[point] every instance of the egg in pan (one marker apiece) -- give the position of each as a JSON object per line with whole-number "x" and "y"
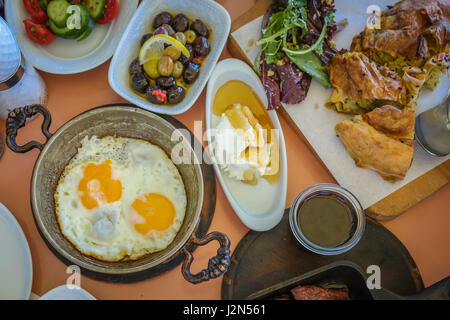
{"x": 120, "y": 199}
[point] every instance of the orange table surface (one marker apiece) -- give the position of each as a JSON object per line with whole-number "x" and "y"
{"x": 424, "y": 229}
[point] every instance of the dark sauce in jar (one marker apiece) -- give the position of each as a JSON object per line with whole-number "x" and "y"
{"x": 326, "y": 220}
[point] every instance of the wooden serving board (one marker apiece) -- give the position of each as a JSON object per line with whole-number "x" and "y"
{"x": 390, "y": 206}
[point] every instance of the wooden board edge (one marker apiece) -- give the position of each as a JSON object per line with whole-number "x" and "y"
{"x": 404, "y": 198}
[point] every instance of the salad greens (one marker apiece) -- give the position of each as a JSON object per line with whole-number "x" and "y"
{"x": 282, "y": 37}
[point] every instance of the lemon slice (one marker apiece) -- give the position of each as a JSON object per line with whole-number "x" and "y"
{"x": 153, "y": 48}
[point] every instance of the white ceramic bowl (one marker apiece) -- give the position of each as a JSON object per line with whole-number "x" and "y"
{"x": 211, "y": 13}
{"x": 65, "y": 56}
{"x": 260, "y": 207}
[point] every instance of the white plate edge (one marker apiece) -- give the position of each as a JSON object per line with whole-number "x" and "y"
{"x": 8, "y": 214}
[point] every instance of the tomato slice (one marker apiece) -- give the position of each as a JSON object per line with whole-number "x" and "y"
{"x": 38, "y": 33}
{"x": 35, "y": 10}
{"x": 112, "y": 9}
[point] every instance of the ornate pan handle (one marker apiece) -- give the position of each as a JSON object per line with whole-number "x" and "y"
{"x": 216, "y": 265}
{"x": 17, "y": 119}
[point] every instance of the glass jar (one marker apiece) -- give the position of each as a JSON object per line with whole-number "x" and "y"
{"x": 345, "y": 197}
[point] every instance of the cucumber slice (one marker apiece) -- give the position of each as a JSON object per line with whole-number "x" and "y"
{"x": 64, "y": 32}
{"x": 70, "y": 31}
{"x": 57, "y": 12}
{"x": 96, "y": 8}
{"x": 79, "y": 19}
{"x": 85, "y": 18}
{"x": 88, "y": 30}
{"x": 44, "y": 4}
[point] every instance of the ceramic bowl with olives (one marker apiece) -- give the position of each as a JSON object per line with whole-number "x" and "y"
{"x": 201, "y": 26}
{"x": 165, "y": 79}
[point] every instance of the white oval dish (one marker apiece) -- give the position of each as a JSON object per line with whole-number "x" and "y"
{"x": 65, "y": 56}
{"x": 260, "y": 207}
{"x": 210, "y": 12}
{"x": 16, "y": 269}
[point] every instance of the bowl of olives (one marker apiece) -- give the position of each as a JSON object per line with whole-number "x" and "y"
{"x": 168, "y": 52}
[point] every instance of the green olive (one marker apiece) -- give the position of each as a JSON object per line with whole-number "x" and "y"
{"x": 180, "y": 36}
{"x": 172, "y": 52}
{"x": 177, "y": 69}
{"x": 165, "y": 66}
{"x": 151, "y": 69}
{"x": 190, "y": 36}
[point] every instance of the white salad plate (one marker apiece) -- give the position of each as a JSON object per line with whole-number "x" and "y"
{"x": 16, "y": 270}
{"x": 66, "y": 56}
{"x": 260, "y": 207}
{"x": 211, "y": 13}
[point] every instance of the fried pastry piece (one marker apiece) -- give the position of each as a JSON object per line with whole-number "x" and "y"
{"x": 392, "y": 121}
{"x": 411, "y": 32}
{"x": 381, "y": 140}
{"x": 362, "y": 85}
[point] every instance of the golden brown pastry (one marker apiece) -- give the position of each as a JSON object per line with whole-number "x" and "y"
{"x": 411, "y": 33}
{"x": 392, "y": 121}
{"x": 362, "y": 85}
{"x": 381, "y": 140}
{"x": 353, "y": 74}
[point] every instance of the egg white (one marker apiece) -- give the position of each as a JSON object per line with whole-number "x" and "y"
{"x": 107, "y": 232}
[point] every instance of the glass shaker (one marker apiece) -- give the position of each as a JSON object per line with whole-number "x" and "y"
{"x": 20, "y": 84}
{"x": 433, "y": 128}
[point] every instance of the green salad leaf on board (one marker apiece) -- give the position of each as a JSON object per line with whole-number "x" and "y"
{"x": 291, "y": 23}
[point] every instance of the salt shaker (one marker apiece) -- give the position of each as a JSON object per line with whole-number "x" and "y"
{"x": 20, "y": 84}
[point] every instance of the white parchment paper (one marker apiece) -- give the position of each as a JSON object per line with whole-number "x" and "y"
{"x": 317, "y": 122}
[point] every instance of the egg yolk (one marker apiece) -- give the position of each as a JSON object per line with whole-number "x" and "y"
{"x": 157, "y": 210}
{"x": 97, "y": 185}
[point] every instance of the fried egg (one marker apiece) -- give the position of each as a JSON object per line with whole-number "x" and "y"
{"x": 120, "y": 198}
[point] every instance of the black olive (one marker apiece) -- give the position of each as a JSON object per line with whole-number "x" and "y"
{"x": 175, "y": 95}
{"x": 162, "y": 18}
{"x": 145, "y": 37}
{"x": 201, "y": 47}
{"x": 156, "y": 95}
{"x": 135, "y": 67}
{"x": 183, "y": 59}
{"x": 200, "y": 28}
{"x": 190, "y": 49}
{"x": 190, "y": 73}
{"x": 180, "y": 23}
{"x": 166, "y": 82}
{"x": 139, "y": 82}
